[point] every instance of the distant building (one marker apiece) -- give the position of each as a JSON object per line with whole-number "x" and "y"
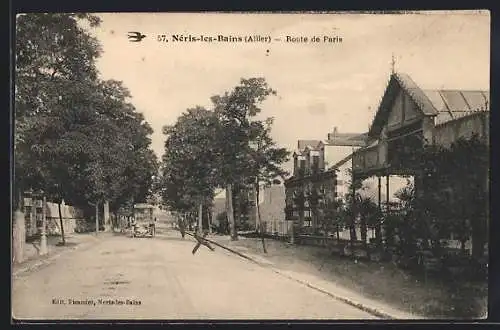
{"x": 272, "y": 209}
{"x": 339, "y": 148}
{"x": 218, "y": 208}
{"x": 310, "y": 187}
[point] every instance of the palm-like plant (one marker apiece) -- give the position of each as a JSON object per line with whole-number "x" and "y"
{"x": 369, "y": 216}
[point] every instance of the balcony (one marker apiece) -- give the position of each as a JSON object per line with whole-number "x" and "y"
{"x": 370, "y": 159}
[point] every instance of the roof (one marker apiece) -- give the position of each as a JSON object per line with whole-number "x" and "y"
{"x": 445, "y": 105}
{"x": 453, "y": 104}
{"x": 343, "y": 161}
{"x": 143, "y": 206}
{"x": 347, "y": 139}
{"x": 302, "y": 144}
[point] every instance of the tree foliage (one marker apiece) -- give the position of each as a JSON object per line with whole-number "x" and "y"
{"x": 450, "y": 195}
{"x": 221, "y": 148}
{"x": 189, "y": 167}
{"x": 76, "y": 137}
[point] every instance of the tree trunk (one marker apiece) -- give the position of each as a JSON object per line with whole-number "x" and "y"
{"x": 378, "y": 233}
{"x": 462, "y": 245}
{"x": 61, "y": 222}
{"x": 337, "y": 229}
{"x": 352, "y": 229}
{"x": 182, "y": 226}
{"x": 259, "y": 220}
{"x": 364, "y": 231}
{"x": 19, "y": 231}
{"x": 15, "y": 228}
{"x": 314, "y": 219}
{"x": 235, "y": 197}
{"x": 200, "y": 219}
{"x": 230, "y": 212}
{"x": 106, "y": 217}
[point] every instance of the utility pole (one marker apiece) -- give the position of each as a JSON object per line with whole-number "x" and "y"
{"x": 43, "y": 238}
{"x": 210, "y": 221}
{"x": 96, "y": 218}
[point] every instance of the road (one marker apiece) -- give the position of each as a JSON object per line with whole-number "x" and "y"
{"x": 158, "y": 278}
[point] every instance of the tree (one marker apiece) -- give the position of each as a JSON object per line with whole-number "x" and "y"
{"x": 190, "y": 160}
{"x": 264, "y": 163}
{"x": 78, "y": 144}
{"x": 369, "y": 213}
{"x": 234, "y": 110}
{"x": 352, "y": 201}
{"x": 52, "y": 52}
{"x": 450, "y": 193}
{"x": 334, "y": 215}
{"x": 299, "y": 200}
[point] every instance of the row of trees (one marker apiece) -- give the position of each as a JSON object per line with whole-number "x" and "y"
{"x": 77, "y": 137}
{"x": 221, "y": 148}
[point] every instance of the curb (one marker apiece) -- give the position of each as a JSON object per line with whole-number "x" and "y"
{"x": 50, "y": 258}
{"x": 367, "y": 309}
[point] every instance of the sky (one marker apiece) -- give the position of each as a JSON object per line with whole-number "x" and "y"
{"x": 320, "y": 85}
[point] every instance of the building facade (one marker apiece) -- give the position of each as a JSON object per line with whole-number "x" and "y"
{"x": 410, "y": 118}
{"x": 310, "y": 188}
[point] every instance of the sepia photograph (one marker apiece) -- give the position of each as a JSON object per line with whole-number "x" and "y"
{"x": 250, "y": 166}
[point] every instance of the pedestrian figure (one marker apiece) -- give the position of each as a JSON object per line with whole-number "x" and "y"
{"x": 133, "y": 224}
{"x": 152, "y": 227}
{"x": 182, "y": 228}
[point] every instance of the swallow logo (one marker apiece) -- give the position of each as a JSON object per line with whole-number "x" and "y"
{"x": 135, "y": 36}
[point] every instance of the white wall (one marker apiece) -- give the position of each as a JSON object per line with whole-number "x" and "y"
{"x": 370, "y": 185}
{"x": 334, "y": 154}
{"x": 343, "y": 179}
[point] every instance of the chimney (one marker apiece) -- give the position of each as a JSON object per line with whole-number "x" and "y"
{"x": 333, "y": 136}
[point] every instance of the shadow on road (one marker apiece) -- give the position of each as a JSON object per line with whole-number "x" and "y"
{"x": 173, "y": 238}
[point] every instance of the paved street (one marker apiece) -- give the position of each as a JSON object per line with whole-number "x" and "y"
{"x": 161, "y": 279}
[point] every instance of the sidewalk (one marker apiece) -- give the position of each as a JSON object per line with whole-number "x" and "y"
{"x": 382, "y": 289}
{"x": 32, "y": 259}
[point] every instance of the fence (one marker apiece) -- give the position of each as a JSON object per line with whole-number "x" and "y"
{"x": 33, "y": 213}
{"x": 279, "y": 227}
